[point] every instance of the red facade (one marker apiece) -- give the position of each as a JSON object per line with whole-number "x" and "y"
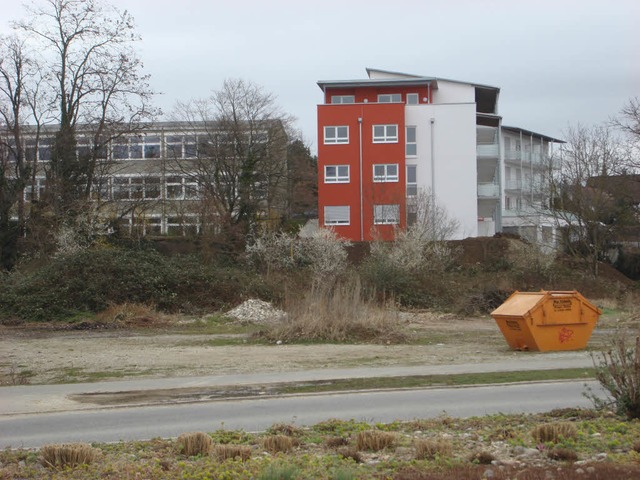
{"x": 375, "y": 191}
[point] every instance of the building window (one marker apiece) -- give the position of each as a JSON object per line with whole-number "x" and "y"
{"x": 412, "y": 144}
{"x": 385, "y": 172}
{"x": 385, "y": 134}
{"x": 413, "y": 99}
{"x": 386, "y": 214}
{"x": 343, "y": 99}
{"x": 339, "y": 215}
{"x": 412, "y": 180}
{"x": 336, "y": 174}
{"x": 390, "y": 98}
{"x": 336, "y": 134}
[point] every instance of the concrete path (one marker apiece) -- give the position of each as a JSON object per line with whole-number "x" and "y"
{"x": 26, "y": 399}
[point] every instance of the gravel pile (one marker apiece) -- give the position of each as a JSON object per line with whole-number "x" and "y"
{"x": 256, "y": 311}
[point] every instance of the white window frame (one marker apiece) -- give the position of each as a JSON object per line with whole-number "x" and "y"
{"x": 389, "y": 98}
{"x": 337, "y": 177}
{"x": 337, "y": 99}
{"x": 386, "y": 214}
{"x": 337, "y": 215}
{"x": 335, "y": 138}
{"x": 412, "y": 187}
{"x": 412, "y": 96}
{"x": 414, "y": 143}
{"x": 386, "y": 175}
{"x": 387, "y": 135}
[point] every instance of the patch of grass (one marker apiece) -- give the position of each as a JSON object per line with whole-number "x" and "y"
{"x": 228, "y": 451}
{"x": 374, "y": 440}
{"x": 68, "y": 455}
{"x": 194, "y": 443}
{"x": 278, "y": 443}
{"x": 554, "y": 432}
{"x": 429, "y": 448}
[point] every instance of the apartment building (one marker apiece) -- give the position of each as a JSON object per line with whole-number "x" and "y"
{"x": 392, "y": 140}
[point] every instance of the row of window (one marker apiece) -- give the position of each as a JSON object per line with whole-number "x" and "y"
{"x": 381, "y": 173}
{"x": 411, "y": 98}
{"x": 382, "y": 215}
{"x": 131, "y": 188}
{"x": 381, "y": 134}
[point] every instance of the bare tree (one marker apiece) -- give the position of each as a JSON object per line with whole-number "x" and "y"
{"x": 587, "y": 214}
{"x": 240, "y": 160}
{"x": 97, "y": 87}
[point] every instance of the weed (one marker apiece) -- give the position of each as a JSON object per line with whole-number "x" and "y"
{"x": 68, "y": 455}
{"x": 562, "y": 454}
{"x": 553, "y": 432}
{"x": 194, "y": 443}
{"x": 227, "y": 451}
{"x": 278, "y": 443}
{"x": 374, "y": 440}
{"x": 277, "y": 471}
{"x": 429, "y": 449}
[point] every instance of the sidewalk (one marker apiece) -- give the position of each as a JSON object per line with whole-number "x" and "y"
{"x": 54, "y": 398}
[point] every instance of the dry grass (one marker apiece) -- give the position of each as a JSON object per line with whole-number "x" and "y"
{"x": 278, "y": 443}
{"x": 350, "y": 452}
{"x": 334, "y": 442}
{"x": 194, "y": 443}
{"x": 227, "y": 451}
{"x": 428, "y": 448}
{"x": 562, "y": 455}
{"x": 374, "y": 440}
{"x": 553, "y": 432}
{"x": 482, "y": 457}
{"x": 68, "y": 455}
{"x": 341, "y": 313}
{"x": 285, "y": 429}
{"x": 131, "y": 314}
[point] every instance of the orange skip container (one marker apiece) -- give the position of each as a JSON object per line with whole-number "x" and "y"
{"x": 546, "y": 320}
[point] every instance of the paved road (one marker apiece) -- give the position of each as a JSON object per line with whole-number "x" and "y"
{"x": 51, "y": 398}
{"x": 107, "y": 425}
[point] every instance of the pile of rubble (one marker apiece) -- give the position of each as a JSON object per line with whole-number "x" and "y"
{"x": 256, "y": 311}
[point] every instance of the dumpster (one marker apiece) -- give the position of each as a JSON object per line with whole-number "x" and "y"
{"x": 546, "y": 320}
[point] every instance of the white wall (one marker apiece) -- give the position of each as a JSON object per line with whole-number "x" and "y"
{"x": 455, "y": 178}
{"x": 452, "y": 92}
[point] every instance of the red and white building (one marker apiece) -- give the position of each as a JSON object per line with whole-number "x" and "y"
{"x": 384, "y": 139}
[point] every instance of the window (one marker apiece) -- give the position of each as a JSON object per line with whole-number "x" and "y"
{"x": 412, "y": 144}
{"x": 385, "y": 133}
{"x": 336, "y": 134}
{"x": 385, "y": 172}
{"x": 343, "y": 99}
{"x": 339, "y": 215}
{"x": 413, "y": 99}
{"x": 336, "y": 174}
{"x": 386, "y": 214}
{"x": 390, "y": 98}
{"x": 412, "y": 180}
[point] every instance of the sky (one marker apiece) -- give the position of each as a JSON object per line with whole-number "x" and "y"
{"x": 557, "y": 62}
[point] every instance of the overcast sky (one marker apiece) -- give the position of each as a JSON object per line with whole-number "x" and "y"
{"x": 557, "y": 62}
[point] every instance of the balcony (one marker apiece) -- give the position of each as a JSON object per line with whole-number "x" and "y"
{"x": 490, "y": 150}
{"x": 488, "y": 190}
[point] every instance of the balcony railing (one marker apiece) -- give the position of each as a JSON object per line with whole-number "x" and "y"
{"x": 488, "y": 190}
{"x": 488, "y": 150}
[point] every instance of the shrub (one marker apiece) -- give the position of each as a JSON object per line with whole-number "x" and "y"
{"x": 194, "y": 443}
{"x": 428, "y": 448}
{"x": 618, "y": 371}
{"x": 278, "y": 443}
{"x": 68, "y": 455}
{"x": 553, "y": 432}
{"x": 228, "y": 451}
{"x": 374, "y": 440}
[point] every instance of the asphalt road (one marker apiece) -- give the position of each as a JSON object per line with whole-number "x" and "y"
{"x": 138, "y": 423}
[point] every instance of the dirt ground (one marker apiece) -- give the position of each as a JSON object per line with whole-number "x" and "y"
{"x": 38, "y": 356}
